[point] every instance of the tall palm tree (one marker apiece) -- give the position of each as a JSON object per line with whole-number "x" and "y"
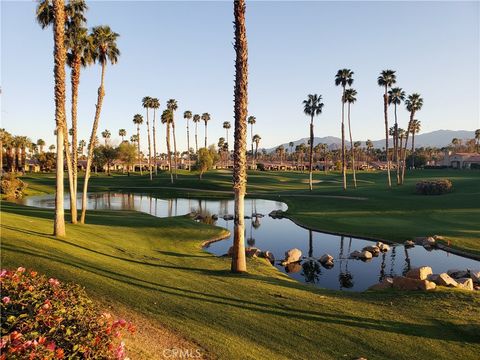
{"x": 343, "y": 78}
{"x": 167, "y": 120}
{"x": 413, "y": 104}
{"x": 41, "y": 144}
{"x": 81, "y": 146}
{"x": 477, "y": 138}
{"x": 147, "y": 103}
{"x": 290, "y": 145}
{"x": 350, "y": 99}
{"x": 138, "y": 120}
{"x": 172, "y": 106}
{"x": 106, "y": 134}
{"x": 104, "y": 47}
{"x": 155, "y": 105}
{"x": 196, "y": 120}
{"x": 312, "y": 107}
{"x": 416, "y": 127}
{"x": 324, "y": 147}
{"x": 386, "y": 79}
{"x": 256, "y": 140}
{"x": 187, "y": 115}
{"x": 206, "y": 119}
{"x": 369, "y": 144}
{"x": 227, "y": 126}
{"x": 251, "y": 120}
{"x": 122, "y": 133}
{"x": 240, "y": 144}
{"x": 401, "y": 137}
{"x": 396, "y": 96}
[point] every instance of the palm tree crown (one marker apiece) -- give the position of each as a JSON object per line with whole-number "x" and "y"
{"x": 396, "y": 96}
{"x": 344, "y": 77}
{"x": 387, "y": 78}
{"x": 196, "y": 118}
{"x": 104, "y": 42}
{"x": 172, "y": 105}
{"x": 187, "y": 115}
{"x": 137, "y": 119}
{"x": 350, "y": 96}
{"x": 414, "y": 102}
{"x": 227, "y": 125}
{"x": 205, "y": 117}
{"x": 252, "y": 120}
{"x": 313, "y": 105}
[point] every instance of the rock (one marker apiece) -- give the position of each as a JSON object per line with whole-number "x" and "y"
{"x": 227, "y": 217}
{"x": 326, "y": 258}
{"x": 214, "y": 217}
{"x": 457, "y": 274}
{"x": 443, "y": 279}
{"x": 386, "y": 283}
{"x": 276, "y": 214}
{"x": 268, "y": 255}
{"x": 406, "y": 283}
{"x": 420, "y": 273}
{"x": 293, "y": 267}
{"x": 409, "y": 243}
{"x": 465, "y": 283}
{"x": 252, "y": 252}
{"x": 291, "y": 256}
{"x": 438, "y": 237}
{"x": 366, "y": 255}
{"x": 384, "y": 248}
{"x": 475, "y": 275}
{"x": 355, "y": 254}
{"x": 328, "y": 264}
{"x": 375, "y": 250}
{"x": 363, "y": 255}
{"x": 419, "y": 240}
{"x": 429, "y": 242}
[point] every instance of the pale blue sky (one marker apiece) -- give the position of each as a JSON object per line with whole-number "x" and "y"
{"x": 183, "y": 50}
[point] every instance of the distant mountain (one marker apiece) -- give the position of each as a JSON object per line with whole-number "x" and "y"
{"x": 438, "y": 138}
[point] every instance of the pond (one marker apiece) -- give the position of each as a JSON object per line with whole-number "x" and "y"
{"x": 280, "y": 235}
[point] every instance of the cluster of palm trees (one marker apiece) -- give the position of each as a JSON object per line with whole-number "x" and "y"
{"x": 312, "y": 107}
{"x": 76, "y": 47}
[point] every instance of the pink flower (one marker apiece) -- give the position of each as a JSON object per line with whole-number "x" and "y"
{"x": 21, "y": 269}
{"x": 53, "y": 282}
{"x": 6, "y": 300}
{"x": 3, "y": 273}
{"x": 51, "y": 346}
{"x": 120, "y": 351}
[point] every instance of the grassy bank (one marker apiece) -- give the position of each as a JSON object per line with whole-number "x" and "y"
{"x": 372, "y": 210}
{"x": 156, "y": 267}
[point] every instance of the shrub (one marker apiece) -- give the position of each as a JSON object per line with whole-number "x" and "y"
{"x": 434, "y": 187}
{"x": 475, "y": 166}
{"x": 12, "y": 187}
{"x": 261, "y": 166}
{"x": 42, "y": 318}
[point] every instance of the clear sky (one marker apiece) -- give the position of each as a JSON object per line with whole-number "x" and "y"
{"x": 183, "y": 50}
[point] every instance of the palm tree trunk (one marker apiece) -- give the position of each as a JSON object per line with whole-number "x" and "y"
{"x": 169, "y": 153}
{"x": 251, "y": 138}
{"x": 174, "y": 147}
{"x": 75, "y": 81}
{"x": 352, "y": 149}
{"x": 240, "y": 144}
{"x": 196, "y": 138}
{"x": 154, "y": 142}
{"x": 60, "y": 116}
{"x": 91, "y": 145}
{"x": 188, "y": 146}
{"x": 410, "y": 123}
{"x": 395, "y": 145}
{"x": 149, "y": 148}
{"x": 385, "y": 113}
{"x": 138, "y": 146}
{"x": 413, "y": 148}
{"x": 325, "y": 163}
{"x": 344, "y": 165}
{"x": 310, "y": 181}
{"x": 205, "y": 134}
{"x": 73, "y": 198}
{"x": 1, "y": 157}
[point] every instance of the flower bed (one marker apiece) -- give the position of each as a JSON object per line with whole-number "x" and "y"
{"x": 434, "y": 187}
{"x": 43, "y": 318}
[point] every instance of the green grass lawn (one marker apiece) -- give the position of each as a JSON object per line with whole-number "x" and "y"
{"x": 157, "y": 267}
{"x": 372, "y": 210}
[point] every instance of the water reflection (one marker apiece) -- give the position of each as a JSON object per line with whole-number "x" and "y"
{"x": 280, "y": 235}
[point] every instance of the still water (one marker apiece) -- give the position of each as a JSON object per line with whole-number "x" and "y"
{"x": 280, "y": 235}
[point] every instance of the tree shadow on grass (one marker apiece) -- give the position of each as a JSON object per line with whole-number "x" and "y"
{"x": 438, "y": 330}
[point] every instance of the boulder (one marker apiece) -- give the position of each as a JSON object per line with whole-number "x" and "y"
{"x": 457, "y": 274}
{"x": 252, "y": 252}
{"x": 227, "y": 217}
{"x": 326, "y": 258}
{"x": 384, "y": 248}
{"x": 214, "y": 217}
{"x": 465, "y": 283}
{"x": 355, "y": 254}
{"x": 475, "y": 275}
{"x": 366, "y": 255}
{"x": 276, "y": 214}
{"x": 409, "y": 243}
{"x": 293, "y": 267}
{"x": 291, "y": 256}
{"x": 328, "y": 264}
{"x": 442, "y": 279}
{"x": 406, "y": 283}
{"x": 419, "y": 240}
{"x": 386, "y": 283}
{"x": 429, "y": 242}
{"x": 420, "y": 273}
{"x": 375, "y": 250}
{"x": 268, "y": 255}
{"x": 438, "y": 237}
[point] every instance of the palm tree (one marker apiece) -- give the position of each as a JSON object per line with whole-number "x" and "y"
{"x": 206, "y": 119}
{"x": 172, "y": 106}
{"x": 413, "y": 104}
{"x": 251, "y": 120}
{"x": 138, "y": 120}
{"x": 256, "y": 140}
{"x": 369, "y": 144}
{"x": 386, "y": 79}
{"x": 187, "y": 115}
{"x": 122, "y": 133}
{"x": 477, "y": 138}
{"x": 196, "y": 120}
{"x": 350, "y": 99}
{"x": 147, "y": 103}
{"x": 416, "y": 126}
{"x": 104, "y": 47}
{"x": 280, "y": 151}
{"x": 312, "y": 107}
{"x": 51, "y": 148}
{"x": 343, "y": 78}
{"x": 41, "y": 144}
{"x": 155, "y": 104}
{"x": 324, "y": 147}
{"x": 81, "y": 146}
{"x": 395, "y": 97}
{"x": 239, "y": 153}
{"x": 227, "y": 126}
{"x": 106, "y": 135}
{"x": 167, "y": 120}
{"x": 290, "y": 145}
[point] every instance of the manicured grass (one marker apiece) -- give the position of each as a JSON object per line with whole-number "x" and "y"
{"x": 395, "y": 214}
{"x": 157, "y": 267}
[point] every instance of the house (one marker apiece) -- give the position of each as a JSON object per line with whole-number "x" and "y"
{"x": 460, "y": 160}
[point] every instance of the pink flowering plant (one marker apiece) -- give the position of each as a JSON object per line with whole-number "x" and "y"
{"x": 42, "y": 318}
